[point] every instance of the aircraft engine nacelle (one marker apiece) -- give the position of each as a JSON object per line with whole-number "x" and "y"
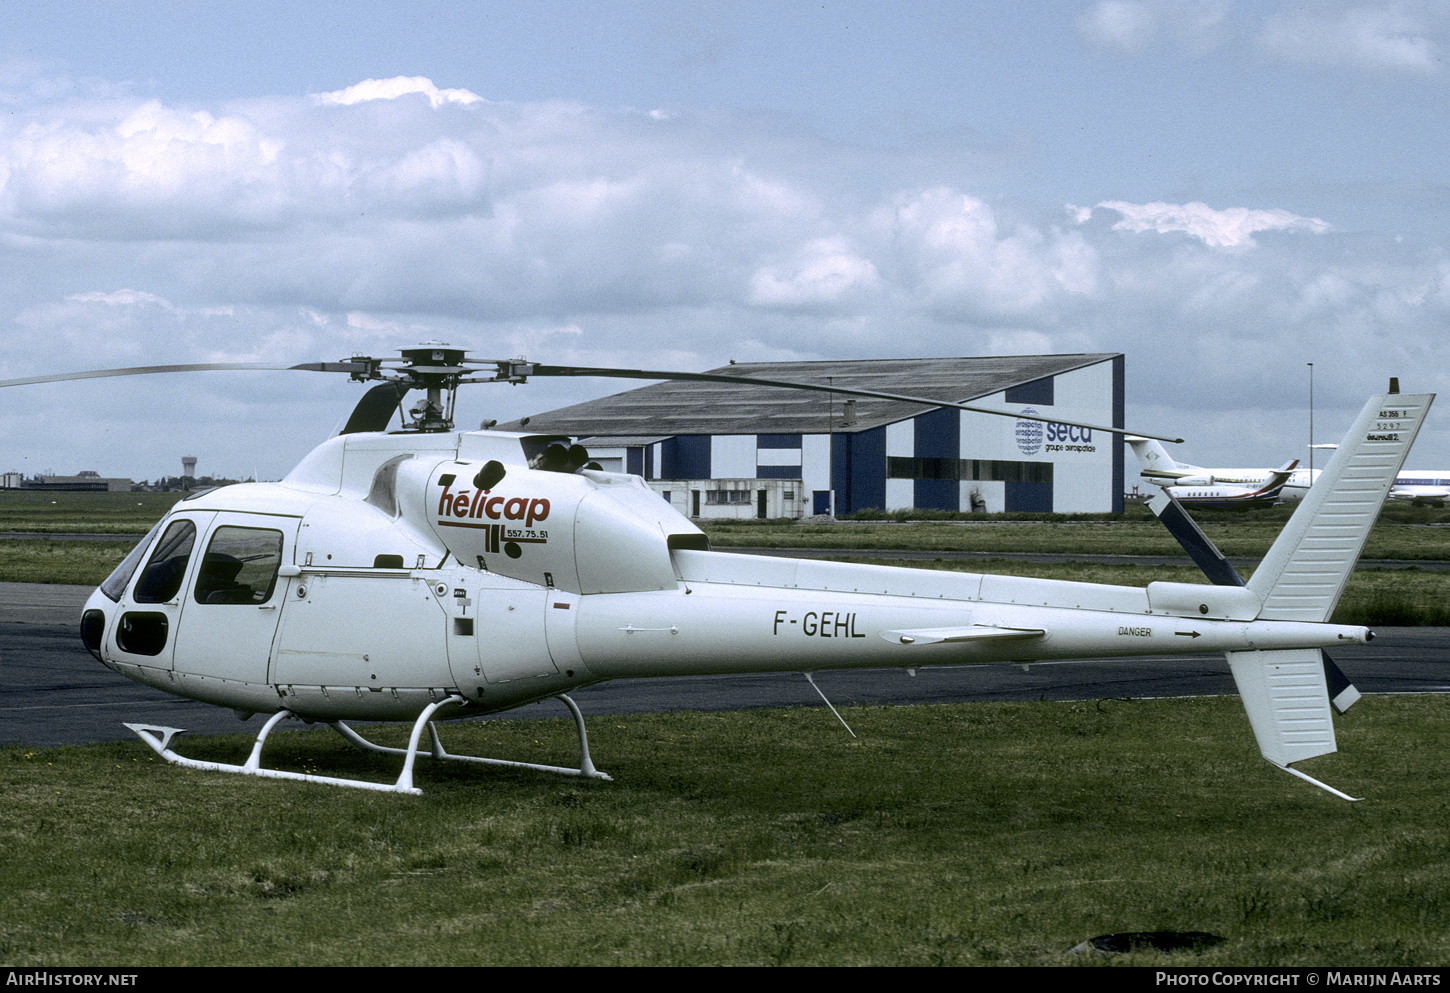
{"x": 585, "y": 532}
{"x": 1193, "y": 481}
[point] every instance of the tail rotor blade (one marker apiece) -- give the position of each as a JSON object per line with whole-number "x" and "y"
{"x": 1342, "y": 693}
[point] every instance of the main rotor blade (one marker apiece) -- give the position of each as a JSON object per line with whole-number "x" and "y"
{"x": 147, "y": 370}
{"x": 710, "y": 377}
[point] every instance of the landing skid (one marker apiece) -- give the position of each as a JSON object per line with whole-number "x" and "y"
{"x": 159, "y": 740}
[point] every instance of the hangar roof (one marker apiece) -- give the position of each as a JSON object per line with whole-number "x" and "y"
{"x": 686, "y": 408}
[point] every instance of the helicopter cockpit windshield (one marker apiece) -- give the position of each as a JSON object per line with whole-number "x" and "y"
{"x": 115, "y": 584}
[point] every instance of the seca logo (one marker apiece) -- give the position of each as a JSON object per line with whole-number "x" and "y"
{"x": 496, "y": 508}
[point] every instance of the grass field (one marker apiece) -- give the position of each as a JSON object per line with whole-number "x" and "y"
{"x": 82, "y": 513}
{"x": 79, "y": 563}
{"x": 999, "y": 834}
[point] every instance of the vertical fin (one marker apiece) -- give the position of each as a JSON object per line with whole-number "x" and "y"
{"x": 1288, "y": 704}
{"x": 1153, "y": 460}
{"x": 1220, "y": 572}
{"x": 1286, "y": 692}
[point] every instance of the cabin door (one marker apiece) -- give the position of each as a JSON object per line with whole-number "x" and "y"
{"x": 235, "y": 597}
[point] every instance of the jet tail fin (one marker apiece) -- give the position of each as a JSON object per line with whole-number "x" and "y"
{"x": 1280, "y": 476}
{"x": 1154, "y": 461}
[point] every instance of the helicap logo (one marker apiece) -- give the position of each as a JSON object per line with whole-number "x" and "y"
{"x": 478, "y": 504}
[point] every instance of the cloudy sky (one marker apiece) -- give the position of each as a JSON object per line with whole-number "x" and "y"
{"x": 1223, "y": 190}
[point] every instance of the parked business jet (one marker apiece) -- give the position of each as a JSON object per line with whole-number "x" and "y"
{"x": 1425, "y": 488}
{"x": 1195, "y": 485}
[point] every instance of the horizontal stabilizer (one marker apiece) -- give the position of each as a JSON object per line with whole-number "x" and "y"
{"x": 975, "y": 632}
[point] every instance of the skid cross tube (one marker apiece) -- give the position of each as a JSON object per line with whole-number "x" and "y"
{"x": 586, "y": 766}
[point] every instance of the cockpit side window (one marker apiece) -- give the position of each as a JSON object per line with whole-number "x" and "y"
{"x": 240, "y": 566}
{"x": 115, "y": 584}
{"x": 161, "y": 579}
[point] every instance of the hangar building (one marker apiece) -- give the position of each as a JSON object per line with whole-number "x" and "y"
{"x": 725, "y": 450}
{"x": 86, "y": 480}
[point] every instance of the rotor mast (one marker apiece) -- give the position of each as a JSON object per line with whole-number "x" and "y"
{"x": 432, "y": 367}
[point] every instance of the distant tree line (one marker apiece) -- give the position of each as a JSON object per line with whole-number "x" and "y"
{"x": 182, "y": 484}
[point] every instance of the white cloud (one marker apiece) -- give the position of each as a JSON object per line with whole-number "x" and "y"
{"x": 949, "y": 250}
{"x": 392, "y": 89}
{"x": 125, "y": 327}
{"x": 121, "y": 298}
{"x": 1399, "y": 37}
{"x": 381, "y": 333}
{"x": 1120, "y": 25}
{"x": 87, "y": 171}
{"x": 444, "y": 171}
{"x": 823, "y": 271}
{"x": 1233, "y": 227}
{"x": 1023, "y": 343}
{"x": 1395, "y": 36}
{"x": 1129, "y": 27}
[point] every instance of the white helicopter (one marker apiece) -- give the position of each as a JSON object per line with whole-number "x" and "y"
{"x": 428, "y": 573}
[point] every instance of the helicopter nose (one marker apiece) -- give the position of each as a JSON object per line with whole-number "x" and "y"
{"x": 93, "y": 631}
